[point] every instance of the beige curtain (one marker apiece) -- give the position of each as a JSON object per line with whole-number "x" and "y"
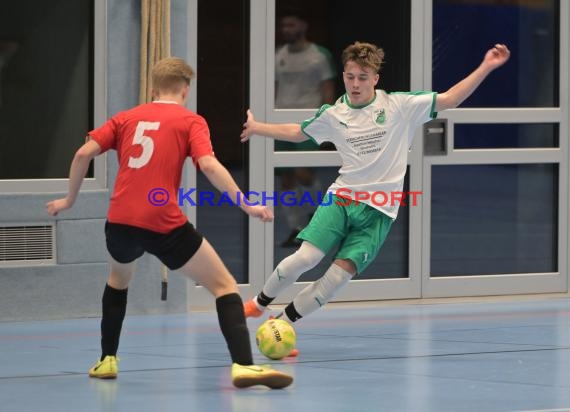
{"x": 155, "y": 41}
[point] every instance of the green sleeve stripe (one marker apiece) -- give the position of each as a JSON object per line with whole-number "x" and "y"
{"x": 307, "y": 134}
{"x": 307, "y": 122}
{"x": 418, "y": 93}
{"x": 432, "y": 112}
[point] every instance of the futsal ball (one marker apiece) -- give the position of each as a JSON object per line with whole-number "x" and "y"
{"x": 275, "y": 338}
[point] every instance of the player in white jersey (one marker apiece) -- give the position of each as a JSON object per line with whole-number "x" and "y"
{"x": 372, "y": 131}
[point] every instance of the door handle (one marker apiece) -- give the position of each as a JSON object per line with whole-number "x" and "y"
{"x": 435, "y": 137}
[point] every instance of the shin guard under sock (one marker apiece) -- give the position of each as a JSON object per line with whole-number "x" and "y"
{"x": 234, "y": 328}
{"x": 114, "y": 304}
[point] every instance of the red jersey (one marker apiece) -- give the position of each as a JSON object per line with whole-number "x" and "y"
{"x": 152, "y": 142}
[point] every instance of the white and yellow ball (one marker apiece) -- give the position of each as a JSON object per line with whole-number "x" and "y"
{"x": 275, "y": 338}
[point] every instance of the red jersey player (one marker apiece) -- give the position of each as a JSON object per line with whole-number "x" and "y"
{"x": 152, "y": 142}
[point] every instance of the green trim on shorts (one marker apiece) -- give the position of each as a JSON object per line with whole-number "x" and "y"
{"x": 359, "y": 231}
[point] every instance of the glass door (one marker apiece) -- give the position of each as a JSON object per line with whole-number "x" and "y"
{"x": 305, "y": 170}
{"x": 493, "y": 215}
{"x": 495, "y": 172}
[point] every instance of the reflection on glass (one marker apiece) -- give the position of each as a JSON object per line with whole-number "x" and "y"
{"x": 304, "y": 72}
{"x": 291, "y": 218}
{"x": 507, "y": 136}
{"x": 46, "y": 86}
{"x": 529, "y": 28}
{"x": 392, "y": 261}
{"x": 494, "y": 219}
{"x": 223, "y": 82}
{"x": 304, "y": 79}
{"x": 224, "y": 225}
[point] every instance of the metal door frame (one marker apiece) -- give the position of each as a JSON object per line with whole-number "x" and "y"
{"x": 501, "y": 284}
{"x": 262, "y": 172}
{"x": 263, "y": 161}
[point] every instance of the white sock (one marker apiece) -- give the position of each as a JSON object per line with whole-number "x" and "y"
{"x": 316, "y": 294}
{"x": 291, "y": 268}
{"x": 259, "y": 306}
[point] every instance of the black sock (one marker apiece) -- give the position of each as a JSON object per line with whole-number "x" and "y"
{"x": 234, "y": 328}
{"x": 292, "y": 313}
{"x": 114, "y": 309}
{"x": 263, "y": 299}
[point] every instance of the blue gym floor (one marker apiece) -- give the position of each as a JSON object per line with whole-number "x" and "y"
{"x": 510, "y": 355}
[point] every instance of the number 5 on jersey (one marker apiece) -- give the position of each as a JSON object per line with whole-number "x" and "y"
{"x": 146, "y": 143}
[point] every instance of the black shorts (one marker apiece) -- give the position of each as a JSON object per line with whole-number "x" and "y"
{"x": 127, "y": 243}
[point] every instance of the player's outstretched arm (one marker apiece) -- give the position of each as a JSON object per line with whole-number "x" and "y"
{"x": 222, "y": 180}
{"x": 494, "y": 58}
{"x": 290, "y": 132}
{"x": 77, "y": 172}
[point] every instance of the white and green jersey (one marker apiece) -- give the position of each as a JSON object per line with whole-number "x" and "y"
{"x": 373, "y": 141}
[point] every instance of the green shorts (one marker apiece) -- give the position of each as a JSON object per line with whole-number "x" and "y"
{"x": 359, "y": 230}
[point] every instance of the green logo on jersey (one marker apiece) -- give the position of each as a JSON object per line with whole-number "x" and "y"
{"x": 381, "y": 117}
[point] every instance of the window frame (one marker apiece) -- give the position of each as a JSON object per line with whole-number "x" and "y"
{"x": 99, "y": 179}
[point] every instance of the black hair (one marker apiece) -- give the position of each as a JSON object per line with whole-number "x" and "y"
{"x": 293, "y": 12}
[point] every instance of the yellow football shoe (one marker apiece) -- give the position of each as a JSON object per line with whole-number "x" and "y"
{"x": 105, "y": 369}
{"x": 244, "y": 376}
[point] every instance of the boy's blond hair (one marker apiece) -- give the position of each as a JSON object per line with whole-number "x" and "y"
{"x": 364, "y": 54}
{"x": 169, "y": 75}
